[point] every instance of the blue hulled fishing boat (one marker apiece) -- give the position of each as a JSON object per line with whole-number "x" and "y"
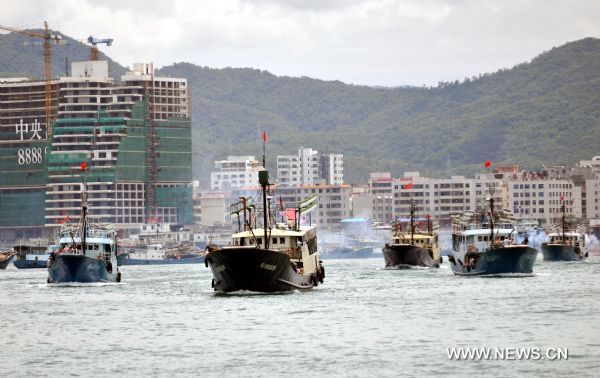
{"x": 86, "y": 253}
{"x": 483, "y": 244}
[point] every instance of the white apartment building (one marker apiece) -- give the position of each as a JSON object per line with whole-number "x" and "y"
{"x": 235, "y": 172}
{"x": 441, "y": 198}
{"x": 310, "y": 168}
{"x": 541, "y": 199}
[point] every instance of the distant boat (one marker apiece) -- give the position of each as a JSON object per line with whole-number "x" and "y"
{"x": 86, "y": 253}
{"x": 273, "y": 258}
{"x": 32, "y": 254}
{"x": 158, "y": 254}
{"x": 6, "y": 258}
{"x": 563, "y": 244}
{"x": 483, "y": 244}
{"x": 414, "y": 243}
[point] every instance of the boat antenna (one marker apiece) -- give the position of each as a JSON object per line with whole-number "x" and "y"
{"x": 264, "y": 149}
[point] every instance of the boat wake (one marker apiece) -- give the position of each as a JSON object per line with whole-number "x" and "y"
{"x": 248, "y": 293}
{"x": 407, "y": 267}
{"x": 82, "y": 284}
{"x": 508, "y": 275}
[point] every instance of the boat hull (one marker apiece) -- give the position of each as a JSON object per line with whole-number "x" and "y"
{"x": 408, "y": 255}
{"x": 560, "y": 252}
{"x": 78, "y": 268}
{"x": 255, "y": 269}
{"x": 502, "y": 260}
{"x": 6, "y": 261}
{"x": 31, "y": 264}
{"x": 187, "y": 260}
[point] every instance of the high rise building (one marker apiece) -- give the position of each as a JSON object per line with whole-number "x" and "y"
{"x": 135, "y": 138}
{"x": 310, "y": 168}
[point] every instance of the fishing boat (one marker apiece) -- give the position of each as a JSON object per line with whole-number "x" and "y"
{"x": 6, "y": 258}
{"x": 86, "y": 252}
{"x": 32, "y": 254}
{"x": 483, "y": 244}
{"x": 271, "y": 258}
{"x": 565, "y": 244}
{"x": 158, "y": 254}
{"x": 414, "y": 243}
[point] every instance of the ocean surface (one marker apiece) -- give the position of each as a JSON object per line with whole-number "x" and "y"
{"x": 363, "y": 321}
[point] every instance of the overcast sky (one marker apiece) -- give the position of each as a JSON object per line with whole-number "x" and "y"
{"x": 370, "y": 42}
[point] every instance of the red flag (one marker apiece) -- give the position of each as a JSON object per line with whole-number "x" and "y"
{"x": 408, "y": 186}
{"x": 290, "y": 213}
{"x": 83, "y": 166}
{"x": 488, "y": 163}
{"x": 265, "y": 136}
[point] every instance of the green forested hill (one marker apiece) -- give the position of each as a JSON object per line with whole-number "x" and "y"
{"x": 542, "y": 112}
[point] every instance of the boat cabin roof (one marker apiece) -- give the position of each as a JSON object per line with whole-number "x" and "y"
{"x": 568, "y": 234}
{"x": 487, "y": 231}
{"x": 309, "y": 231}
{"x": 415, "y": 236}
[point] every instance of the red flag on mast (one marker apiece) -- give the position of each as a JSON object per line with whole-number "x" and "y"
{"x": 408, "y": 186}
{"x": 488, "y": 163}
{"x": 265, "y": 136}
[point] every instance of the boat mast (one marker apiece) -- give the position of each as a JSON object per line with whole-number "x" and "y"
{"x": 263, "y": 179}
{"x": 492, "y": 220}
{"x": 84, "y": 208}
{"x": 562, "y": 208}
{"x": 412, "y": 222}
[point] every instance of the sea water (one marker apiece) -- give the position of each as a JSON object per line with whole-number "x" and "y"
{"x": 363, "y": 321}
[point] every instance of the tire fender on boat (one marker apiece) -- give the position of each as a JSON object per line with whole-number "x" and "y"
{"x": 118, "y": 276}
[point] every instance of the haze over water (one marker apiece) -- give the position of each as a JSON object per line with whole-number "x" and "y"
{"x": 363, "y": 321}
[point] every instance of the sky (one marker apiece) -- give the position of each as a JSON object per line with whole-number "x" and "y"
{"x": 363, "y": 42}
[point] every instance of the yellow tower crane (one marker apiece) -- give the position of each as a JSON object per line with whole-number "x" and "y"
{"x": 47, "y": 37}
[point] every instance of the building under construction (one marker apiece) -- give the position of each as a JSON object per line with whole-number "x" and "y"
{"x": 134, "y": 136}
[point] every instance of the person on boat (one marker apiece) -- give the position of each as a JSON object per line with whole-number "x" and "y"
{"x": 526, "y": 241}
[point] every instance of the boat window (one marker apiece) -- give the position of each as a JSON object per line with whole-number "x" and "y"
{"x": 258, "y": 240}
{"x": 274, "y": 240}
{"x": 470, "y": 239}
{"x": 486, "y": 238}
{"x": 281, "y": 240}
{"x": 480, "y": 238}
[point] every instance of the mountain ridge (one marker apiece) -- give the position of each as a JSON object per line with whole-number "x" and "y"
{"x": 539, "y": 112}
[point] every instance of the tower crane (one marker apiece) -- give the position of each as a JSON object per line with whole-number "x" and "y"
{"x": 47, "y": 37}
{"x": 94, "y": 42}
